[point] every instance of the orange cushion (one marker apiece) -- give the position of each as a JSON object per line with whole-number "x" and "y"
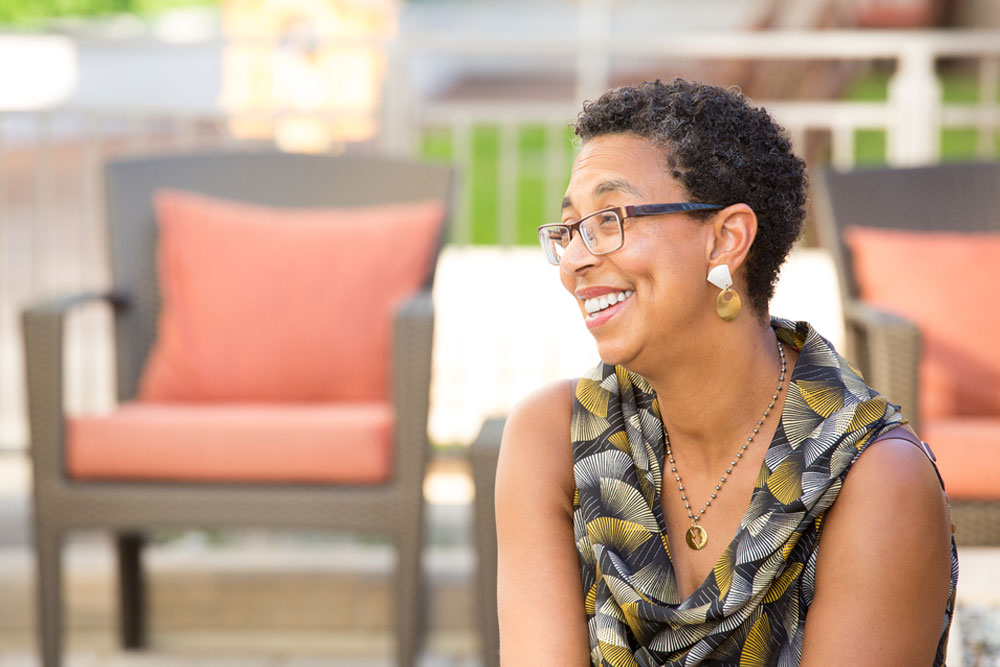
{"x": 258, "y": 442}
{"x": 268, "y": 304}
{"x": 968, "y": 455}
{"x": 947, "y": 284}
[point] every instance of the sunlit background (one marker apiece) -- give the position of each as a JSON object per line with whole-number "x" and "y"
{"x": 487, "y": 86}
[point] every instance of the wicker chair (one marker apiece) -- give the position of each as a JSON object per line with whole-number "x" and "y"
{"x": 129, "y": 508}
{"x": 886, "y": 346}
{"x": 485, "y": 454}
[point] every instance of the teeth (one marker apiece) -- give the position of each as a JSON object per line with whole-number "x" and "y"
{"x": 598, "y": 304}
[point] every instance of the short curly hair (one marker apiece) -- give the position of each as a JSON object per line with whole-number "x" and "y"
{"x": 722, "y": 150}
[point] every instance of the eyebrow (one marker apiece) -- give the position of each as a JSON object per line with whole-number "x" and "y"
{"x": 604, "y": 187}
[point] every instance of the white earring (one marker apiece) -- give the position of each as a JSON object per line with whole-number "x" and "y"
{"x": 727, "y": 305}
{"x": 720, "y": 276}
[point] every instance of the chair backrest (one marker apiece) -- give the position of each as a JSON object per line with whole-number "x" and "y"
{"x": 952, "y": 197}
{"x": 268, "y": 178}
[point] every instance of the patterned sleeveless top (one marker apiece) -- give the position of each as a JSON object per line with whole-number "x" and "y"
{"x": 751, "y": 609}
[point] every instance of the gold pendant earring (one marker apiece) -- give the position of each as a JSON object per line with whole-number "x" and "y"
{"x": 728, "y": 304}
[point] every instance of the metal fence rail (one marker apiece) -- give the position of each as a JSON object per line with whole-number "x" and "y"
{"x": 51, "y": 202}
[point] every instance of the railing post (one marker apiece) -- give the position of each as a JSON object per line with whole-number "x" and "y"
{"x": 989, "y": 78}
{"x": 398, "y": 118}
{"x": 593, "y": 58}
{"x": 914, "y": 135}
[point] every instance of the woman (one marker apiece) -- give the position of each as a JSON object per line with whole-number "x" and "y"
{"x": 667, "y": 507}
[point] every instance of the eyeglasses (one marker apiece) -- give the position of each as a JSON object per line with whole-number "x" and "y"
{"x": 602, "y": 231}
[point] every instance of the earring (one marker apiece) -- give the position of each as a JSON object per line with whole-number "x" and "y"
{"x": 728, "y": 304}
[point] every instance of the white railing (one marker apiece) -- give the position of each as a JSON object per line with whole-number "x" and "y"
{"x": 912, "y": 117}
{"x": 51, "y": 202}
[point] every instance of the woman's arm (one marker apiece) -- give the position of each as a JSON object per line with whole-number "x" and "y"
{"x": 539, "y": 591}
{"x": 884, "y": 564}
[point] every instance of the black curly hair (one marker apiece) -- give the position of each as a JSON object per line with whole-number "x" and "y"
{"x": 722, "y": 150}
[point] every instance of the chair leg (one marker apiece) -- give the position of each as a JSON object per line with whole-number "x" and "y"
{"x": 48, "y": 552}
{"x": 131, "y": 591}
{"x": 410, "y": 601}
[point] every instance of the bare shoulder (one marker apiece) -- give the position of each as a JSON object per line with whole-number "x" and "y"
{"x": 885, "y": 547}
{"x": 550, "y": 406}
{"x": 891, "y": 499}
{"x": 896, "y": 473}
{"x": 536, "y": 441}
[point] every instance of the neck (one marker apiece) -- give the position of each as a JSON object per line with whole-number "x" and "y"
{"x": 715, "y": 389}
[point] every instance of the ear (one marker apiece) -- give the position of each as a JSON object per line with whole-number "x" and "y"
{"x": 734, "y": 229}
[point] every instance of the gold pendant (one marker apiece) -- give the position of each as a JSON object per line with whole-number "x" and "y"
{"x": 697, "y": 537}
{"x": 727, "y": 304}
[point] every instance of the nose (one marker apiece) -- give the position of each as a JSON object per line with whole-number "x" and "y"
{"x": 576, "y": 257}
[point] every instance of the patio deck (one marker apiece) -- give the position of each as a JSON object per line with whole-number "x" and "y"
{"x": 212, "y": 597}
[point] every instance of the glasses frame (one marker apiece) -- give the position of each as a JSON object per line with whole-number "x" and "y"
{"x": 623, "y": 213}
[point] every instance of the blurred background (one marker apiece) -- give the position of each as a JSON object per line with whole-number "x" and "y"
{"x": 490, "y": 87}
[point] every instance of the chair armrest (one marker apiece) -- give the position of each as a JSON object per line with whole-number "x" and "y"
{"x": 484, "y": 454}
{"x": 887, "y": 349}
{"x": 413, "y": 337}
{"x": 43, "y": 325}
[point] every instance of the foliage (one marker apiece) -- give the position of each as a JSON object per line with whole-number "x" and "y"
{"x": 36, "y": 12}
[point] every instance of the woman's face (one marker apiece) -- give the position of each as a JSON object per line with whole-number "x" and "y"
{"x": 662, "y": 266}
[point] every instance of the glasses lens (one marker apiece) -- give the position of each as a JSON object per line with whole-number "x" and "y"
{"x": 602, "y": 232}
{"x": 554, "y": 241}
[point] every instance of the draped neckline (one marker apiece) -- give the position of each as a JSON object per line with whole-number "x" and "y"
{"x": 665, "y": 538}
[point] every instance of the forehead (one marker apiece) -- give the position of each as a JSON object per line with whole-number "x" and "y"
{"x": 624, "y": 163}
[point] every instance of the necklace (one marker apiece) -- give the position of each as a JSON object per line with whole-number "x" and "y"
{"x": 696, "y": 536}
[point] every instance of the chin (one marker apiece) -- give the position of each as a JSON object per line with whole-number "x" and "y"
{"x": 613, "y": 355}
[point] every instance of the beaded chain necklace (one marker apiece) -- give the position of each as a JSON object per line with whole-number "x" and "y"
{"x": 696, "y": 536}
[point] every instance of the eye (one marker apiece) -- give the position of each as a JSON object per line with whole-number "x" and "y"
{"x": 607, "y": 222}
{"x": 557, "y": 235}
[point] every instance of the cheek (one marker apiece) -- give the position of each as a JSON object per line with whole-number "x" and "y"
{"x": 644, "y": 260}
{"x": 568, "y": 283}
{"x": 663, "y": 270}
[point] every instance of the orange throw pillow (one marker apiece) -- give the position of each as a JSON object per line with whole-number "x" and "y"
{"x": 271, "y": 304}
{"x": 946, "y": 283}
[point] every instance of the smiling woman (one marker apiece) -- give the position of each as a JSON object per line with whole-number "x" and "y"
{"x": 667, "y": 508}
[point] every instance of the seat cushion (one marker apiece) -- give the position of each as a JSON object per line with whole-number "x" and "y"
{"x": 968, "y": 455}
{"x": 946, "y": 283}
{"x": 345, "y": 443}
{"x": 270, "y": 304}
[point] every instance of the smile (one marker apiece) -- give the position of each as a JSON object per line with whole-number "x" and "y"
{"x": 597, "y": 304}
